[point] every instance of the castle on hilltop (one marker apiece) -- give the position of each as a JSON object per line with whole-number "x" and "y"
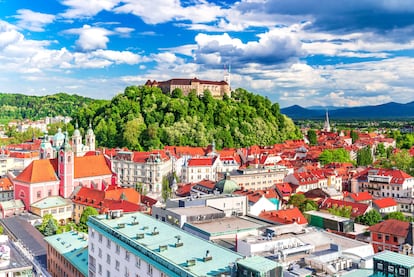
{"x": 217, "y": 88}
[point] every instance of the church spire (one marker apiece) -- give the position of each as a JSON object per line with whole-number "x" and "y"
{"x": 326, "y": 125}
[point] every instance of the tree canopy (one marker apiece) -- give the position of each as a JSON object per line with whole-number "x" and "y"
{"x": 88, "y": 211}
{"x": 144, "y": 118}
{"x": 334, "y": 155}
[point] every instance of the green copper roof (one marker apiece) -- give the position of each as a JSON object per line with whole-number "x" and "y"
{"x": 258, "y": 264}
{"x": 157, "y": 240}
{"x": 74, "y": 247}
{"x": 395, "y": 258}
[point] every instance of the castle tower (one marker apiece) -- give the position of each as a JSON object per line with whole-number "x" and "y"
{"x": 227, "y": 75}
{"x": 90, "y": 139}
{"x": 77, "y": 142}
{"x": 66, "y": 168}
{"x": 326, "y": 125}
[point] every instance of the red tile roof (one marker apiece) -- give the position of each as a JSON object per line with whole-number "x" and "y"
{"x": 255, "y": 195}
{"x": 385, "y": 202}
{"x": 392, "y": 227}
{"x": 360, "y": 196}
{"x": 184, "y": 189}
{"x": 6, "y": 184}
{"x": 89, "y": 166}
{"x": 284, "y": 216}
{"x": 357, "y": 208}
{"x": 38, "y": 171}
{"x": 202, "y": 161}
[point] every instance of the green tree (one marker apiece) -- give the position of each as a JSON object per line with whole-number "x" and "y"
{"x": 344, "y": 211}
{"x": 364, "y": 156}
{"x": 354, "y": 135}
{"x": 396, "y": 215}
{"x": 301, "y": 202}
{"x": 370, "y": 218}
{"x": 50, "y": 228}
{"x": 88, "y": 211}
{"x": 45, "y": 221}
{"x": 166, "y": 189}
{"x": 380, "y": 151}
{"x": 334, "y": 155}
{"x": 312, "y": 137}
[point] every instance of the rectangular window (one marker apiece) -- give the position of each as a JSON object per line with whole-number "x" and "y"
{"x": 99, "y": 252}
{"x": 108, "y": 243}
{"x": 395, "y": 239}
{"x": 138, "y": 262}
{"x": 379, "y": 236}
{"x": 108, "y": 259}
{"x": 401, "y": 271}
{"x": 127, "y": 255}
{"x": 100, "y": 238}
{"x": 99, "y": 269}
{"x": 387, "y": 237}
{"x": 117, "y": 265}
{"x": 117, "y": 249}
{"x": 92, "y": 247}
{"x": 149, "y": 270}
{"x": 108, "y": 273}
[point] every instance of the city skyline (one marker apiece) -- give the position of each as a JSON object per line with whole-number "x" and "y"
{"x": 324, "y": 53}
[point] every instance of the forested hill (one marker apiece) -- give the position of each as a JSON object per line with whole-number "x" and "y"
{"x": 20, "y": 106}
{"x": 144, "y": 118}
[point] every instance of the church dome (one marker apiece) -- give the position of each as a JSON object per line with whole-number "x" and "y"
{"x": 226, "y": 185}
{"x": 90, "y": 131}
{"x": 76, "y": 133}
{"x": 59, "y": 136}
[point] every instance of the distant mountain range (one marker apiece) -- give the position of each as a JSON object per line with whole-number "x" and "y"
{"x": 390, "y": 110}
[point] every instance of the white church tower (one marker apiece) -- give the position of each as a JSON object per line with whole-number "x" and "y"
{"x": 326, "y": 125}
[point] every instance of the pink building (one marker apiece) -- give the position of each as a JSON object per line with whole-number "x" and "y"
{"x": 60, "y": 176}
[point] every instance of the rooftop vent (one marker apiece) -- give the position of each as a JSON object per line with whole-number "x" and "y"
{"x": 178, "y": 243}
{"x": 163, "y": 247}
{"x": 155, "y": 231}
{"x": 140, "y": 236}
{"x": 134, "y": 220}
{"x": 191, "y": 262}
{"x": 121, "y": 225}
{"x": 208, "y": 257}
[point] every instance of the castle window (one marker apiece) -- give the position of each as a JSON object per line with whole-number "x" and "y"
{"x": 38, "y": 194}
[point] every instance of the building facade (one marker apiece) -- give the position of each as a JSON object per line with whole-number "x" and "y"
{"x": 216, "y": 88}
{"x": 146, "y": 168}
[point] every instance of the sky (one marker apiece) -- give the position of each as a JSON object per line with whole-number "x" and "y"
{"x": 294, "y": 52}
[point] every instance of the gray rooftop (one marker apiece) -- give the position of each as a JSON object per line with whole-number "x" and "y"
{"x": 227, "y": 225}
{"x": 193, "y": 211}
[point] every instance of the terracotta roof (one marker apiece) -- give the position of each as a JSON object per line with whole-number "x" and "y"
{"x": 391, "y": 226}
{"x": 202, "y": 161}
{"x": 284, "y": 216}
{"x": 184, "y": 189}
{"x": 357, "y": 208}
{"x": 89, "y": 166}
{"x": 38, "y": 171}
{"x": 385, "y": 202}
{"x": 146, "y": 200}
{"x": 360, "y": 196}
{"x": 254, "y": 195}
{"x": 6, "y": 184}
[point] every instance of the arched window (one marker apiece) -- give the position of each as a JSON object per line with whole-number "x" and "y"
{"x": 22, "y": 194}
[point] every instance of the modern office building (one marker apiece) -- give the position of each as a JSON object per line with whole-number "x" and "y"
{"x": 135, "y": 244}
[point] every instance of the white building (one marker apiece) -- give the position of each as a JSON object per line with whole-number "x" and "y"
{"x": 146, "y": 168}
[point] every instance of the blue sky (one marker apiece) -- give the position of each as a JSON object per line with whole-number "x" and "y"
{"x": 310, "y": 53}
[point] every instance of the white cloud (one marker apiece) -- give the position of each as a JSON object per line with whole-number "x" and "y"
{"x": 91, "y": 38}
{"x": 171, "y": 10}
{"x": 89, "y": 8}
{"x": 33, "y": 21}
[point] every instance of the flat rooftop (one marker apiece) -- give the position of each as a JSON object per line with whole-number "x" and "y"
{"x": 74, "y": 247}
{"x": 227, "y": 225}
{"x": 143, "y": 235}
{"x": 194, "y": 211}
